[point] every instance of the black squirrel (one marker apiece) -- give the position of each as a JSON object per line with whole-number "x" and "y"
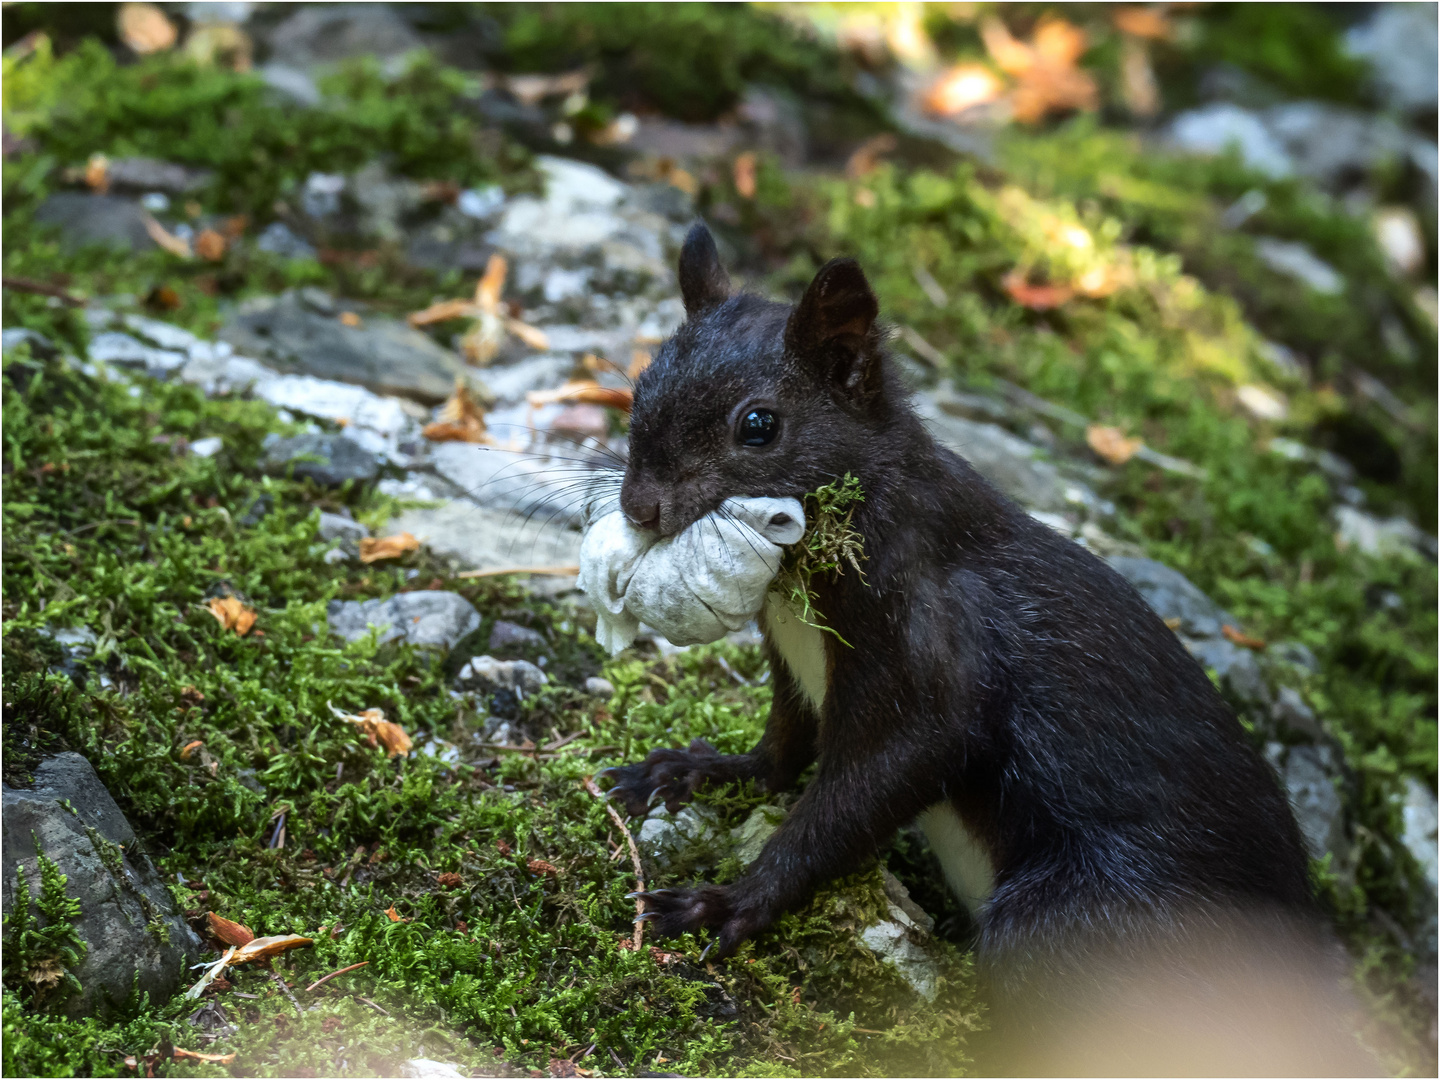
{"x": 1085, "y": 787}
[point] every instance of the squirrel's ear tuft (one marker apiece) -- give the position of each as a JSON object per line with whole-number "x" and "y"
{"x": 703, "y": 281}
{"x": 831, "y": 328}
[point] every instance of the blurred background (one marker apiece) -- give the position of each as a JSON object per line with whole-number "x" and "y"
{"x": 1165, "y": 272}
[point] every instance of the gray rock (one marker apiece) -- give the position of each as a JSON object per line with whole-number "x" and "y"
{"x": 750, "y": 836}
{"x": 1316, "y": 803}
{"x": 384, "y": 200}
{"x": 103, "y": 220}
{"x": 1419, "y": 815}
{"x": 292, "y": 83}
{"x": 1212, "y": 129}
{"x": 526, "y": 482}
{"x": 488, "y": 675}
{"x": 664, "y": 836}
{"x": 329, "y": 460}
{"x": 481, "y": 538}
{"x": 891, "y": 940}
{"x": 217, "y": 371}
{"x": 128, "y": 918}
{"x": 140, "y": 174}
{"x": 204, "y": 448}
{"x": 509, "y": 635}
{"x": 41, "y": 347}
{"x": 377, "y": 423}
{"x": 1290, "y": 711}
{"x": 126, "y": 351}
{"x": 899, "y": 896}
{"x": 1382, "y": 537}
{"x": 279, "y": 239}
{"x": 383, "y": 354}
{"x": 1172, "y": 596}
{"x": 1295, "y": 260}
{"x": 162, "y": 334}
{"x": 512, "y": 382}
{"x": 602, "y": 688}
{"x": 1239, "y": 671}
{"x": 426, "y": 1069}
{"x": 328, "y": 33}
{"x": 1399, "y": 42}
{"x": 426, "y": 617}
{"x": 339, "y": 527}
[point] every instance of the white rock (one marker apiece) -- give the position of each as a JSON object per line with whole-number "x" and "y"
{"x": 1214, "y": 128}
{"x": 1419, "y": 816}
{"x": 428, "y": 617}
{"x": 204, "y": 448}
{"x": 481, "y": 203}
{"x": 165, "y": 335}
{"x": 890, "y": 940}
{"x": 1378, "y": 536}
{"x": 1298, "y": 261}
{"x": 425, "y": 1069}
{"x": 384, "y": 418}
{"x": 482, "y": 538}
{"x": 603, "y": 688}
{"x": 1399, "y": 41}
{"x": 512, "y": 382}
{"x": 1398, "y": 233}
{"x": 116, "y": 348}
{"x": 223, "y": 374}
{"x": 1262, "y": 402}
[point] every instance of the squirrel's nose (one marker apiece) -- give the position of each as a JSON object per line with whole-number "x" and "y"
{"x": 644, "y": 517}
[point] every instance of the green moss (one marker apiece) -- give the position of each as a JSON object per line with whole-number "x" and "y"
{"x": 41, "y": 945}
{"x": 830, "y": 543}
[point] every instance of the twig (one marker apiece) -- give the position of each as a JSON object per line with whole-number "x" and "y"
{"x": 558, "y": 743}
{"x": 286, "y": 990}
{"x": 929, "y": 353}
{"x": 327, "y": 978}
{"x": 372, "y": 1004}
{"x": 20, "y": 284}
{"x": 594, "y": 789}
{"x": 101, "y": 524}
{"x": 555, "y": 571}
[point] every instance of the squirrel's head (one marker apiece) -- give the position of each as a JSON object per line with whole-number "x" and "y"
{"x": 755, "y": 398}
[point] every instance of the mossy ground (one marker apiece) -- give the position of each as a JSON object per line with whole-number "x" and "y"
{"x": 108, "y": 526}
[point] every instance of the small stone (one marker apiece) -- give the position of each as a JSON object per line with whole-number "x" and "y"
{"x": 1419, "y": 817}
{"x": 488, "y": 675}
{"x": 150, "y": 174}
{"x": 354, "y": 406}
{"x": 279, "y": 239}
{"x": 329, "y": 460}
{"x": 41, "y": 347}
{"x": 162, "y": 334}
{"x": 1172, "y": 596}
{"x": 1291, "y": 711}
{"x": 205, "y": 448}
{"x": 430, "y": 617}
{"x": 751, "y": 835}
{"x": 890, "y": 940}
{"x": 899, "y": 897}
{"x": 1295, "y": 653}
{"x": 101, "y": 220}
{"x": 339, "y": 527}
{"x": 1295, "y": 260}
{"x": 601, "y": 688}
{"x": 129, "y": 352}
{"x": 1316, "y": 803}
{"x": 1379, "y": 536}
{"x": 1239, "y": 671}
{"x": 1213, "y": 129}
{"x": 425, "y": 1069}
{"x": 509, "y": 635}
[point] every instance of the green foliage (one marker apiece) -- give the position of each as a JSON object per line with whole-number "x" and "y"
{"x": 829, "y": 543}
{"x": 42, "y": 946}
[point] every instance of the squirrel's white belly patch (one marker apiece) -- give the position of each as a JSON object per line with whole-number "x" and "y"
{"x": 967, "y": 866}
{"x": 802, "y": 647}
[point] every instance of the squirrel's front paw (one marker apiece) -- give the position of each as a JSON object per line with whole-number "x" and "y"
{"x": 673, "y": 775}
{"x": 680, "y": 911}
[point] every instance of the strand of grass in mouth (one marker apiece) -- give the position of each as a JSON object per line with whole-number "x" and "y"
{"x": 831, "y": 541}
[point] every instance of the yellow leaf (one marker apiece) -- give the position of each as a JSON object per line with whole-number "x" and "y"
{"x": 1047, "y": 78}
{"x": 1112, "y": 444}
{"x": 461, "y": 420}
{"x": 530, "y": 335}
{"x": 97, "y": 174}
{"x": 443, "y": 311}
{"x": 349, "y": 318}
{"x": 584, "y": 391}
{"x": 373, "y": 549}
{"x": 231, "y": 614}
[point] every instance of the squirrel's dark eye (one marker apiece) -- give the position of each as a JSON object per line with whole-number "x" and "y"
{"x": 757, "y": 427}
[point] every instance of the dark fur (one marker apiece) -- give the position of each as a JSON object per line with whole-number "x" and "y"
{"x": 994, "y": 664}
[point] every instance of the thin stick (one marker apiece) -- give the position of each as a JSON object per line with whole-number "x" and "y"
{"x": 327, "y": 978}
{"x": 20, "y": 284}
{"x": 554, "y": 571}
{"x": 286, "y": 990}
{"x": 594, "y": 789}
{"x": 372, "y": 1004}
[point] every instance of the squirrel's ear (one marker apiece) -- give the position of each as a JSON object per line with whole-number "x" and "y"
{"x": 703, "y": 281}
{"x": 832, "y": 327}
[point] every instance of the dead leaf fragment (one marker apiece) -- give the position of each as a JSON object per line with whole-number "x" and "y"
{"x": 962, "y": 87}
{"x": 744, "y": 174}
{"x": 379, "y": 732}
{"x": 1047, "y": 78}
{"x": 484, "y": 338}
{"x": 584, "y": 391}
{"x": 1239, "y": 637}
{"x": 188, "y": 750}
{"x": 394, "y": 915}
{"x": 349, "y": 318}
{"x": 175, "y": 245}
{"x": 375, "y": 548}
{"x": 1036, "y": 297}
{"x": 1141, "y": 22}
{"x": 1112, "y": 444}
{"x": 46, "y": 973}
{"x": 231, "y": 614}
{"x": 265, "y": 947}
{"x": 210, "y": 245}
{"x": 540, "y": 866}
{"x": 97, "y": 174}
{"x": 461, "y": 420}
{"x": 449, "y": 881}
{"x": 227, "y": 932}
{"x": 145, "y": 28}
{"x": 215, "y": 1059}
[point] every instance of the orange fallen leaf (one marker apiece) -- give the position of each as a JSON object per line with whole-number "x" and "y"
{"x": 640, "y": 359}
{"x": 375, "y": 548}
{"x": 962, "y": 87}
{"x": 232, "y": 614}
{"x": 97, "y": 174}
{"x": 491, "y": 283}
{"x": 1047, "y": 78}
{"x": 1035, "y": 297}
{"x": 584, "y": 391}
{"x": 865, "y": 158}
{"x": 483, "y": 340}
{"x": 217, "y": 1059}
{"x": 145, "y": 28}
{"x": 461, "y": 420}
{"x": 1173, "y": 624}
{"x": 1239, "y": 637}
{"x": 188, "y": 750}
{"x": 540, "y": 866}
{"x": 530, "y": 335}
{"x": 227, "y": 932}
{"x": 210, "y": 245}
{"x": 262, "y": 948}
{"x": 1112, "y": 444}
{"x": 449, "y": 881}
{"x": 1141, "y": 22}
{"x": 234, "y": 227}
{"x": 441, "y": 311}
{"x": 349, "y": 318}
{"x": 395, "y": 916}
{"x": 378, "y": 730}
{"x": 744, "y": 174}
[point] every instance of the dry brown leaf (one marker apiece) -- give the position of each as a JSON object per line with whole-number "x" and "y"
{"x": 46, "y": 973}
{"x": 1047, "y": 79}
{"x": 461, "y": 420}
{"x": 210, "y": 245}
{"x": 395, "y": 916}
{"x": 744, "y": 174}
{"x": 263, "y": 948}
{"x": 491, "y": 284}
{"x": 97, "y": 174}
{"x": 1141, "y": 22}
{"x": 349, "y": 318}
{"x": 962, "y": 87}
{"x": 167, "y": 240}
{"x": 1239, "y": 637}
{"x": 145, "y": 28}
{"x": 1112, "y": 444}
{"x": 449, "y": 881}
{"x": 379, "y": 732}
{"x": 194, "y": 1055}
{"x": 1036, "y": 297}
{"x": 530, "y": 335}
{"x": 375, "y": 548}
{"x": 442, "y": 311}
{"x": 866, "y": 157}
{"x": 540, "y": 866}
{"x": 584, "y": 391}
{"x": 227, "y": 932}
{"x": 532, "y": 89}
{"x": 231, "y": 614}
{"x": 188, "y": 751}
